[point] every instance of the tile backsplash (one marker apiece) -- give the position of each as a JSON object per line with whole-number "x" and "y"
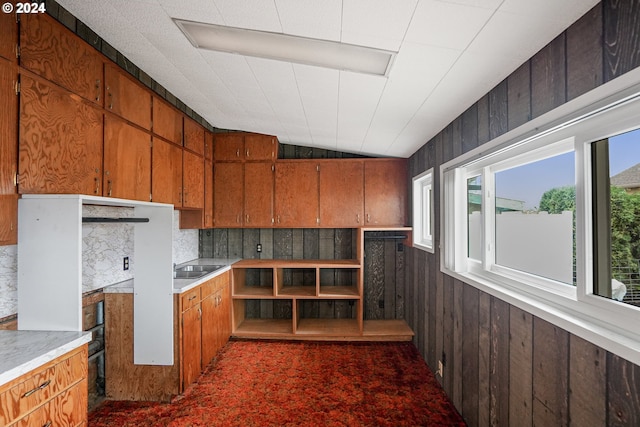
{"x": 103, "y": 248}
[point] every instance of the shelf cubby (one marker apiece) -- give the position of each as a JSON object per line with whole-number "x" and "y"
{"x": 298, "y": 282}
{"x": 339, "y": 282}
{"x": 262, "y": 317}
{"x": 253, "y": 282}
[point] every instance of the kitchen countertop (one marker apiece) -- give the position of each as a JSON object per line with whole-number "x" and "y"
{"x": 179, "y": 285}
{"x": 24, "y": 351}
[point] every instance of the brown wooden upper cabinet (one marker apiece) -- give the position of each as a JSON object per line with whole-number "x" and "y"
{"x": 258, "y": 194}
{"x": 342, "y": 193}
{"x": 193, "y": 136}
{"x": 8, "y": 130}
{"x": 243, "y": 194}
{"x": 244, "y": 146}
{"x": 192, "y": 180}
{"x": 60, "y": 146}
{"x": 228, "y": 190}
{"x": 127, "y": 161}
{"x": 385, "y": 192}
{"x": 126, "y": 97}
{"x": 208, "y": 146}
{"x": 8, "y": 219}
{"x": 52, "y": 51}
{"x": 166, "y": 172}
{"x": 167, "y": 121}
{"x": 208, "y": 194}
{"x": 8, "y": 36}
{"x": 296, "y": 193}
{"x": 8, "y": 155}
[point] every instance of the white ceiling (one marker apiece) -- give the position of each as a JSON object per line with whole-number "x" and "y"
{"x": 450, "y": 53}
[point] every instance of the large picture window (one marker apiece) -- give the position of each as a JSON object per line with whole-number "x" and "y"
{"x": 549, "y": 220}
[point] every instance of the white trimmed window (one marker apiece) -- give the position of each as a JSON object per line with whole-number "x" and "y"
{"x": 533, "y": 217}
{"x": 423, "y": 211}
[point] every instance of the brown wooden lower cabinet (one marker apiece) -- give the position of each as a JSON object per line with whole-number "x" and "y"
{"x": 202, "y": 326}
{"x": 55, "y": 393}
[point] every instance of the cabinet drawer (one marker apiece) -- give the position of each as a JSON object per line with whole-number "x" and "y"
{"x": 190, "y": 299}
{"x": 41, "y": 385}
{"x": 68, "y": 409}
{"x": 214, "y": 285}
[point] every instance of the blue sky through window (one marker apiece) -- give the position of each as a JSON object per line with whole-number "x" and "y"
{"x": 529, "y": 182}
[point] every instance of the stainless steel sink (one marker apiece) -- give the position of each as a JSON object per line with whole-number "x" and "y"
{"x": 194, "y": 271}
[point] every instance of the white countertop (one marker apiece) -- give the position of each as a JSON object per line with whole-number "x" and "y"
{"x": 179, "y": 285}
{"x": 24, "y": 351}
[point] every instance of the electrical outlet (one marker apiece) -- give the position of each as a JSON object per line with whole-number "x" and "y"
{"x": 440, "y": 368}
{"x": 259, "y": 247}
{"x": 125, "y": 263}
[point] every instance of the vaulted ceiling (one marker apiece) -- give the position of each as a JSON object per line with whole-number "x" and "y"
{"x": 449, "y": 54}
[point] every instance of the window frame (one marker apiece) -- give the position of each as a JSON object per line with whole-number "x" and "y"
{"x": 423, "y": 210}
{"x": 606, "y": 111}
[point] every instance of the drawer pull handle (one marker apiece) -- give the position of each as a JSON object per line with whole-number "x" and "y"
{"x": 191, "y": 298}
{"x": 40, "y": 387}
{"x": 48, "y": 424}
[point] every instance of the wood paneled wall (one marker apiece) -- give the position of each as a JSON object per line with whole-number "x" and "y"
{"x": 384, "y": 265}
{"x": 504, "y": 366}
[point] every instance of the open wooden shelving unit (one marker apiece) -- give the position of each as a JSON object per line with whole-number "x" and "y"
{"x": 292, "y": 282}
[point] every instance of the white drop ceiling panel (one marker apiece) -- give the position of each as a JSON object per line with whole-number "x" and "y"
{"x": 449, "y": 53}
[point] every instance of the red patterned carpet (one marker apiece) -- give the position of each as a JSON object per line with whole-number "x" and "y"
{"x": 263, "y": 383}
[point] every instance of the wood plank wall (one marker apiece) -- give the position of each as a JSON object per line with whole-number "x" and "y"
{"x": 504, "y": 366}
{"x": 383, "y": 272}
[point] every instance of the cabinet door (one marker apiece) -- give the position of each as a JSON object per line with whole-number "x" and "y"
{"x": 8, "y": 130}
{"x": 166, "y": 173}
{"x": 167, "y": 121}
{"x": 192, "y": 180}
{"x": 228, "y": 194}
{"x": 60, "y": 147}
{"x": 224, "y": 314}
{"x": 191, "y": 345}
{"x": 385, "y": 192}
{"x": 296, "y": 194}
{"x": 342, "y": 193}
{"x": 228, "y": 146}
{"x": 260, "y": 147}
{"x": 127, "y": 161}
{"x": 193, "y": 136}
{"x": 208, "y": 146}
{"x": 126, "y": 98}
{"x": 210, "y": 328}
{"x": 8, "y": 219}
{"x": 208, "y": 194}
{"x": 8, "y": 36}
{"x": 52, "y": 51}
{"x": 258, "y": 194}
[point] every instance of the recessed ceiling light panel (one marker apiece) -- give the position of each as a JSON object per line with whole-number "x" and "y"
{"x": 283, "y": 47}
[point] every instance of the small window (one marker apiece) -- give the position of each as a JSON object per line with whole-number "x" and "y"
{"x": 423, "y": 211}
